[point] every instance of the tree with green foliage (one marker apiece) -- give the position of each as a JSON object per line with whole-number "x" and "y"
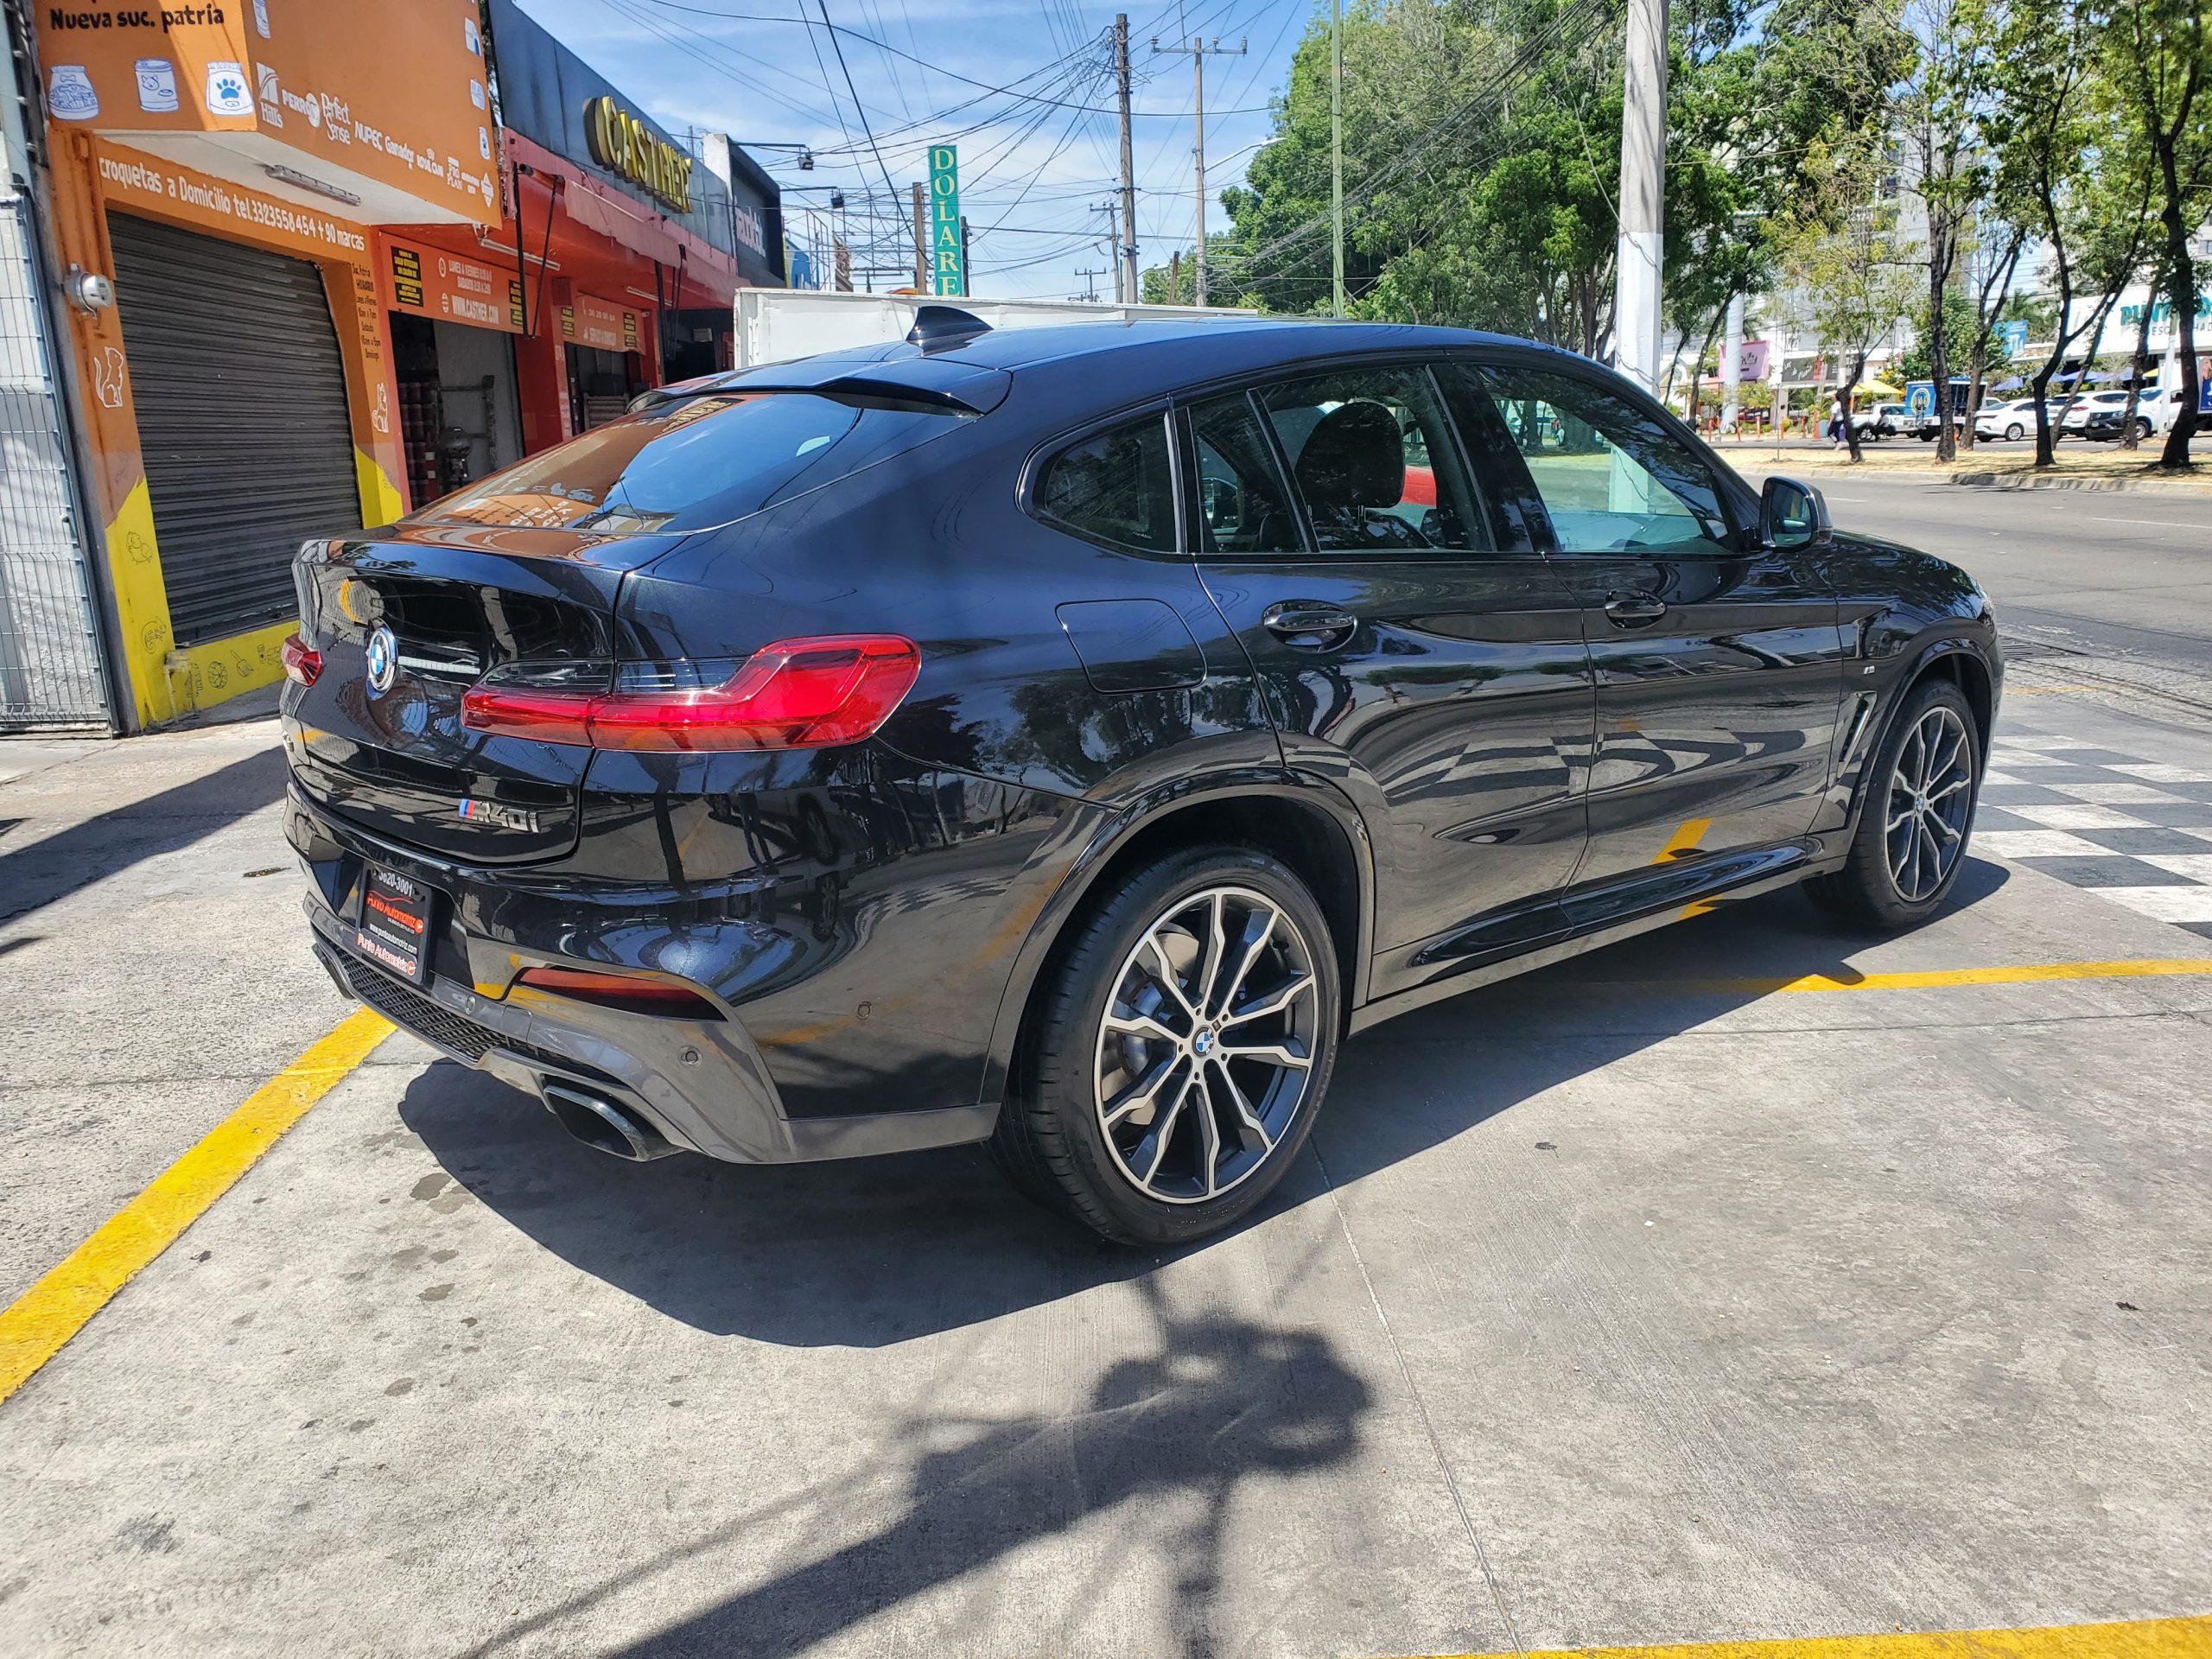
{"x": 2156, "y": 51}
{"x": 1841, "y": 251}
{"x": 2061, "y": 144}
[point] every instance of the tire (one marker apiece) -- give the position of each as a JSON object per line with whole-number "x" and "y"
{"x": 2142, "y": 430}
{"x": 2013, "y": 433}
{"x": 1890, "y": 880}
{"x": 1109, "y": 1051}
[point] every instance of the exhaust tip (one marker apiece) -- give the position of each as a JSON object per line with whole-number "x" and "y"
{"x": 599, "y": 1123}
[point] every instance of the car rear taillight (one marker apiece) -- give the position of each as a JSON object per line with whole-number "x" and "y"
{"x": 302, "y": 663}
{"x": 796, "y": 693}
{"x": 621, "y": 991}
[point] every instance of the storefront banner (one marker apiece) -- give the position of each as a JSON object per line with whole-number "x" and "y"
{"x": 392, "y": 93}
{"x": 162, "y": 189}
{"x": 432, "y": 282}
{"x": 610, "y": 327}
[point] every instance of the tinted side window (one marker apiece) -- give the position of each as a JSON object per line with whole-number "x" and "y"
{"x": 1242, "y": 506}
{"x": 1374, "y": 460}
{"x": 1114, "y": 486}
{"x": 1611, "y": 478}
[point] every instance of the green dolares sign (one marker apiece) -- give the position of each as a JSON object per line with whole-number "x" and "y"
{"x": 948, "y": 258}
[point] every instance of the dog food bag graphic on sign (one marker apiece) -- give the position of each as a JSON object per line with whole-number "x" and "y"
{"x": 69, "y": 93}
{"x": 227, "y": 93}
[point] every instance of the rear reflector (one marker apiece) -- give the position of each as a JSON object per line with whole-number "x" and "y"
{"x": 620, "y": 991}
{"x": 796, "y": 693}
{"x": 302, "y": 665}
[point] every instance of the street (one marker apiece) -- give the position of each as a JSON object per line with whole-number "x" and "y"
{"x": 1752, "y": 1279}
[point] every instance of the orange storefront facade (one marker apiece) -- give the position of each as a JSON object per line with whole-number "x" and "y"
{"x": 313, "y": 283}
{"x": 220, "y": 166}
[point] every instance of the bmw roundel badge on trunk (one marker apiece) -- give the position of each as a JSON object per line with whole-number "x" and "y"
{"x": 383, "y": 658}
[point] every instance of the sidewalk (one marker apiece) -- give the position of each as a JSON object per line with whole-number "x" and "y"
{"x": 2079, "y": 466}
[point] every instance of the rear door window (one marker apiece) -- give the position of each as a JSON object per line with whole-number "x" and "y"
{"x": 1113, "y": 486}
{"x": 1374, "y": 462}
{"x": 1243, "y": 504}
{"x": 690, "y": 463}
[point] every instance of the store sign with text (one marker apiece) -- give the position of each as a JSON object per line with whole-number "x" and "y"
{"x": 162, "y": 189}
{"x": 348, "y": 97}
{"x": 622, "y": 144}
{"x": 436, "y": 283}
{"x": 589, "y": 321}
{"x": 948, "y": 252}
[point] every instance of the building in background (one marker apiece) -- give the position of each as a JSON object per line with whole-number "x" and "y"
{"x": 289, "y": 267}
{"x": 612, "y": 269}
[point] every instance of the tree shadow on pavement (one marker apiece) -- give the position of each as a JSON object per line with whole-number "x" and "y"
{"x": 1178, "y": 1431}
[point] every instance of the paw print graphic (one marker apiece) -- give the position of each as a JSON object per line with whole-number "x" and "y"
{"x": 228, "y": 90}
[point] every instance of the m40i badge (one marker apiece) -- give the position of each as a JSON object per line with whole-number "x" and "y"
{"x": 495, "y": 812}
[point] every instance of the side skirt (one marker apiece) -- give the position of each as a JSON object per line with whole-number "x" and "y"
{"x": 1731, "y": 884}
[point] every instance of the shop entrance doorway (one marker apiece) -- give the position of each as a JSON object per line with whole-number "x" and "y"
{"x": 601, "y": 384}
{"x": 459, "y": 415}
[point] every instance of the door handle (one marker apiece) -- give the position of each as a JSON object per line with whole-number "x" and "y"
{"x": 1308, "y": 623}
{"x": 1634, "y": 610}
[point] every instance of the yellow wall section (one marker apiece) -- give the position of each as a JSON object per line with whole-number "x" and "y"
{"x": 221, "y": 669}
{"x": 142, "y": 603}
{"x": 381, "y": 501}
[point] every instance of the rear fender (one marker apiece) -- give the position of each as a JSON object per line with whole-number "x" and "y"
{"x": 1092, "y": 846}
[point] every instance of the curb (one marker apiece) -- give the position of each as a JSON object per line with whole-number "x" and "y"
{"x": 2201, "y": 486}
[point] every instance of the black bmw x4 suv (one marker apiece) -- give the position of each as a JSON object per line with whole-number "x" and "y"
{"x": 1063, "y": 738}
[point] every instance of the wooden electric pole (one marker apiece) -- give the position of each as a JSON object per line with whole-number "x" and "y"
{"x": 1200, "y": 52}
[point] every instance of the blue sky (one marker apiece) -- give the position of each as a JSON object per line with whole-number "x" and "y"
{"x": 1031, "y": 167}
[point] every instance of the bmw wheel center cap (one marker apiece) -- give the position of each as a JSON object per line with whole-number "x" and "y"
{"x": 383, "y": 658}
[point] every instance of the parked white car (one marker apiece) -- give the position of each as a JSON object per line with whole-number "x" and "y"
{"x": 2156, "y": 411}
{"x": 2077, "y": 418}
{"x": 2011, "y": 420}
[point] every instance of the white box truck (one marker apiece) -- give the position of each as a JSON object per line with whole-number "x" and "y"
{"x": 775, "y": 325}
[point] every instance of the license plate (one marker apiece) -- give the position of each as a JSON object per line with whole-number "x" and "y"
{"x": 394, "y": 931}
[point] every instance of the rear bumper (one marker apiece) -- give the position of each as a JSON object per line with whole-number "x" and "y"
{"x": 699, "y": 1085}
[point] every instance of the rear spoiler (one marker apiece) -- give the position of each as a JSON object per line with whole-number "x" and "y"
{"x": 926, "y": 384}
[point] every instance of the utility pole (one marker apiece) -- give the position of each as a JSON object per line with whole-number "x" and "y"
{"x": 1337, "y": 150}
{"x": 1127, "y": 263}
{"x": 1731, "y": 367}
{"x": 921, "y": 239}
{"x": 1200, "y": 52}
{"x": 1644, "y": 164}
{"x": 1090, "y": 281}
{"x": 1113, "y": 241}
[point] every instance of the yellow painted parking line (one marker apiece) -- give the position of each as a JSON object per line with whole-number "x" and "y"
{"x": 2030, "y": 973}
{"x": 2147, "y": 1638}
{"x": 36, "y": 1325}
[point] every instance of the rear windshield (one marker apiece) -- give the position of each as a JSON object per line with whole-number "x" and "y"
{"x": 690, "y": 464}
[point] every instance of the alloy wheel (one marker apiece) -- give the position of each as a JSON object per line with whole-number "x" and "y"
{"x": 1931, "y": 794}
{"x": 1207, "y": 1045}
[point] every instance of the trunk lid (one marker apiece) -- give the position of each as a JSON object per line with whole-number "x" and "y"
{"x": 407, "y": 618}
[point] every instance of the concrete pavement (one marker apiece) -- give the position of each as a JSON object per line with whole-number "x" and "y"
{"x": 1614, "y": 1304}
{"x": 1639, "y": 1300}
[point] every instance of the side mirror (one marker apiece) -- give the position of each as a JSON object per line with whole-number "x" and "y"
{"x": 1793, "y": 515}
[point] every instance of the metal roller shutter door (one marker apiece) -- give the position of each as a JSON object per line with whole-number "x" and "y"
{"x": 241, "y": 399}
